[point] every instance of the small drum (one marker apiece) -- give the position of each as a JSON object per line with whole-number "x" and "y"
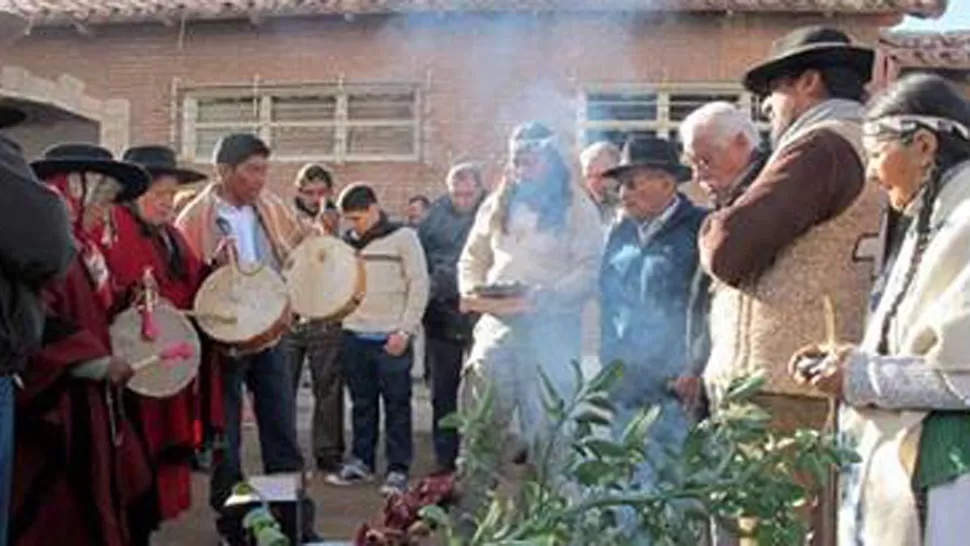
{"x": 131, "y": 339}
{"x": 249, "y": 310}
{"x": 325, "y": 278}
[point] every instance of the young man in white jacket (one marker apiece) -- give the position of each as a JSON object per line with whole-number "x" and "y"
{"x": 376, "y": 352}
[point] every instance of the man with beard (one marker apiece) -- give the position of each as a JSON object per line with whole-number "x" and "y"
{"x": 448, "y": 331}
{"x": 793, "y": 237}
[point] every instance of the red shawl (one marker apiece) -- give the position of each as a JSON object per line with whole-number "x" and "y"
{"x": 172, "y": 426}
{"x": 71, "y": 485}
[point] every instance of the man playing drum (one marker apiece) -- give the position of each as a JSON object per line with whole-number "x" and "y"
{"x": 145, "y": 239}
{"x": 317, "y": 341}
{"x": 263, "y": 231}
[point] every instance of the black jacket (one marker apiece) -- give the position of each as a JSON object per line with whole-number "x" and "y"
{"x": 36, "y": 246}
{"x": 443, "y": 233}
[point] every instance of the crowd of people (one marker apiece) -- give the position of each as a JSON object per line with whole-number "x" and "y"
{"x": 862, "y": 204}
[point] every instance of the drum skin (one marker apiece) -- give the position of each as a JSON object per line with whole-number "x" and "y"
{"x": 166, "y": 378}
{"x": 325, "y": 278}
{"x": 255, "y": 303}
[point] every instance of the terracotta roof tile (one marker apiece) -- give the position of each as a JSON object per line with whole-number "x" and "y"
{"x": 928, "y": 49}
{"x": 42, "y": 12}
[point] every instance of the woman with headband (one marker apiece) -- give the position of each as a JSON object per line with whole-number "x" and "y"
{"x": 906, "y": 388}
{"x": 538, "y": 236}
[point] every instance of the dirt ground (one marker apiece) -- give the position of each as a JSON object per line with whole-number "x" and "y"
{"x": 340, "y": 510}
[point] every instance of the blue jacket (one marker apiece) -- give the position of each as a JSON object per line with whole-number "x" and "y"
{"x": 653, "y": 302}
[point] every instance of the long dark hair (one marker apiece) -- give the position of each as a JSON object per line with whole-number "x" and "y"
{"x": 559, "y": 180}
{"x": 933, "y": 96}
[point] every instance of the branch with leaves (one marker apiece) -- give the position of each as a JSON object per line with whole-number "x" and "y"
{"x": 733, "y": 466}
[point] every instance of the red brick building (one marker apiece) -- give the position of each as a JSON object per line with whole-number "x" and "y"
{"x": 392, "y": 91}
{"x": 947, "y": 54}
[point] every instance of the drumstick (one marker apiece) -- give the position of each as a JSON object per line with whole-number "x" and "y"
{"x": 210, "y": 316}
{"x": 176, "y": 351}
{"x": 830, "y": 336}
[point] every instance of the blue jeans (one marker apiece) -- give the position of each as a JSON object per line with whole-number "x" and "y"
{"x": 268, "y": 378}
{"x": 372, "y": 375}
{"x": 7, "y": 392}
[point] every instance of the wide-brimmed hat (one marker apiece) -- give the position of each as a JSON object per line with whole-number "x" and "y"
{"x": 809, "y": 47}
{"x": 648, "y": 152}
{"x": 10, "y": 116}
{"x": 161, "y": 161}
{"x": 68, "y": 158}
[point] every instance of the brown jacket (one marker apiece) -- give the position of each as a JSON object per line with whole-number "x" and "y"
{"x": 790, "y": 240}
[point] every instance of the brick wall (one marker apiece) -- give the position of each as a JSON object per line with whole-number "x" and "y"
{"x": 479, "y": 74}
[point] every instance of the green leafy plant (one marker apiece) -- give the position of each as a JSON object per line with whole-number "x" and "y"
{"x": 732, "y": 467}
{"x": 260, "y": 523}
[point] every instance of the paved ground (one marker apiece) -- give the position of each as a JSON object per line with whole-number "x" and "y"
{"x": 340, "y": 511}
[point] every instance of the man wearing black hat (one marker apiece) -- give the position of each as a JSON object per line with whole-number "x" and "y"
{"x": 145, "y": 239}
{"x": 71, "y": 406}
{"x": 264, "y": 230}
{"x": 35, "y": 247}
{"x": 790, "y": 240}
{"x": 648, "y": 294}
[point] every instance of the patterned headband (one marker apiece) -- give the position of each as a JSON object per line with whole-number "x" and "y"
{"x": 907, "y": 123}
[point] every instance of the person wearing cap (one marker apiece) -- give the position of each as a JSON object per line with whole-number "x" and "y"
{"x": 145, "y": 239}
{"x": 798, "y": 234}
{"x": 35, "y": 247}
{"x": 317, "y": 342}
{"x": 653, "y": 303}
{"x": 540, "y": 235}
{"x": 904, "y": 389}
{"x": 238, "y": 206}
{"x": 82, "y": 476}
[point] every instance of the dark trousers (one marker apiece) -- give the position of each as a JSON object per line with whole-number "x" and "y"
{"x": 446, "y": 357}
{"x": 319, "y": 344}
{"x": 269, "y": 380}
{"x": 373, "y": 376}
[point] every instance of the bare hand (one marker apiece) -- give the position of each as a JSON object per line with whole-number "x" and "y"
{"x": 688, "y": 389}
{"x": 222, "y": 254}
{"x": 119, "y": 371}
{"x": 396, "y": 344}
{"x": 821, "y": 367}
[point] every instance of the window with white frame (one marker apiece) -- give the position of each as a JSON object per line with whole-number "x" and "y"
{"x": 308, "y": 122}
{"x": 615, "y": 113}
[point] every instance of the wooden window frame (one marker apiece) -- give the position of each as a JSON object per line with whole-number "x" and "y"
{"x": 263, "y": 102}
{"x": 663, "y": 126}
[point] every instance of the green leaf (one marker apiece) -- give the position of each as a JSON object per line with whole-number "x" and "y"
{"x": 603, "y": 448}
{"x": 435, "y": 516}
{"x": 577, "y": 377}
{"x": 601, "y": 401}
{"x": 590, "y": 472}
{"x": 551, "y": 400}
{"x": 636, "y": 430}
{"x": 451, "y": 421}
{"x": 743, "y": 389}
{"x": 607, "y": 378}
{"x": 594, "y": 415}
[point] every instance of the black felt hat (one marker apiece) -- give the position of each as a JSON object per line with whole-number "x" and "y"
{"x": 69, "y": 158}
{"x": 10, "y": 116}
{"x": 809, "y": 47}
{"x": 161, "y": 161}
{"x": 651, "y": 153}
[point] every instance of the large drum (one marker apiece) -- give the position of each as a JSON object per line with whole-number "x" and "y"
{"x": 145, "y": 335}
{"x": 325, "y": 278}
{"x": 248, "y": 310}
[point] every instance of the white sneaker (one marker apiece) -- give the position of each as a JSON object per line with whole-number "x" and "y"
{"x": 395, "y": 483}
{"x": 352, "y": 473}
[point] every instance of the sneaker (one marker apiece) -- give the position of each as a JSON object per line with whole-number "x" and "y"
{"x": 395, "y": 483}
{"x": 352, "y": 473}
